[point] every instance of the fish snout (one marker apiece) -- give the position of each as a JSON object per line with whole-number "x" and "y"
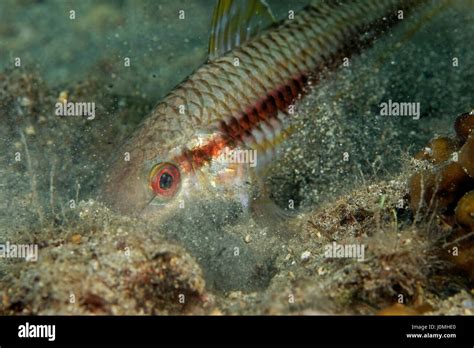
{"x": 125, "y": 188}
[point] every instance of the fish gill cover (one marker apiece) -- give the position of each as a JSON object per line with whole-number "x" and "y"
{"x": 294, "y": 172}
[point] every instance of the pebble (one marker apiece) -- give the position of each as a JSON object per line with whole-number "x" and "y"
{"x": 30, "y": 130}
{"x": 76, "y": 238}
{"x": 25, "y": 102}
{"x": 305, "y": 255}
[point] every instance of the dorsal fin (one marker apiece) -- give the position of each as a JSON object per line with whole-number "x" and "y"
{"x": 236, "y": 21}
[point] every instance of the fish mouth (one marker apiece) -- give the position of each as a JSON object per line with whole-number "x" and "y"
{"x": 125, "y": 189}
{"x": 155, "y": 212}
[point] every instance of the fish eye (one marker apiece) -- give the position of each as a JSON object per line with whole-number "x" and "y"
{"x": 164, "y": 179}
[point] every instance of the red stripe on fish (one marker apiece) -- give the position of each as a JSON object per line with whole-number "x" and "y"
{"x": 234, "y": 130}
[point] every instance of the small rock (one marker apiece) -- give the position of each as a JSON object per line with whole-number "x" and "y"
{"x": 63, "y": 97}
{"x": 30, "y": 130}
{"x": 235, "y": 294}
{"x": 305, "y": 255}
{"x": 76, "y": 238}
{"x": 25, "y": 102}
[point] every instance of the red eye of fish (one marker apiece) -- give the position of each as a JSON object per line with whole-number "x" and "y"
{"x": 164, "y": 179}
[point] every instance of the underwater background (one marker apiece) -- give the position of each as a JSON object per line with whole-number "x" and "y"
{"x": 346, "y": 168}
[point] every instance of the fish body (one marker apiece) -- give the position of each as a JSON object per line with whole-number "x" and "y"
{"x": 242, "y": 100}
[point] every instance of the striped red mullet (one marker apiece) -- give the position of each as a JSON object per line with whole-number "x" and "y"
{"x": 241, "y": 99}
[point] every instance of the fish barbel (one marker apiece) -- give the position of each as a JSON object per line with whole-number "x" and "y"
{"x": 240, "y": 100}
